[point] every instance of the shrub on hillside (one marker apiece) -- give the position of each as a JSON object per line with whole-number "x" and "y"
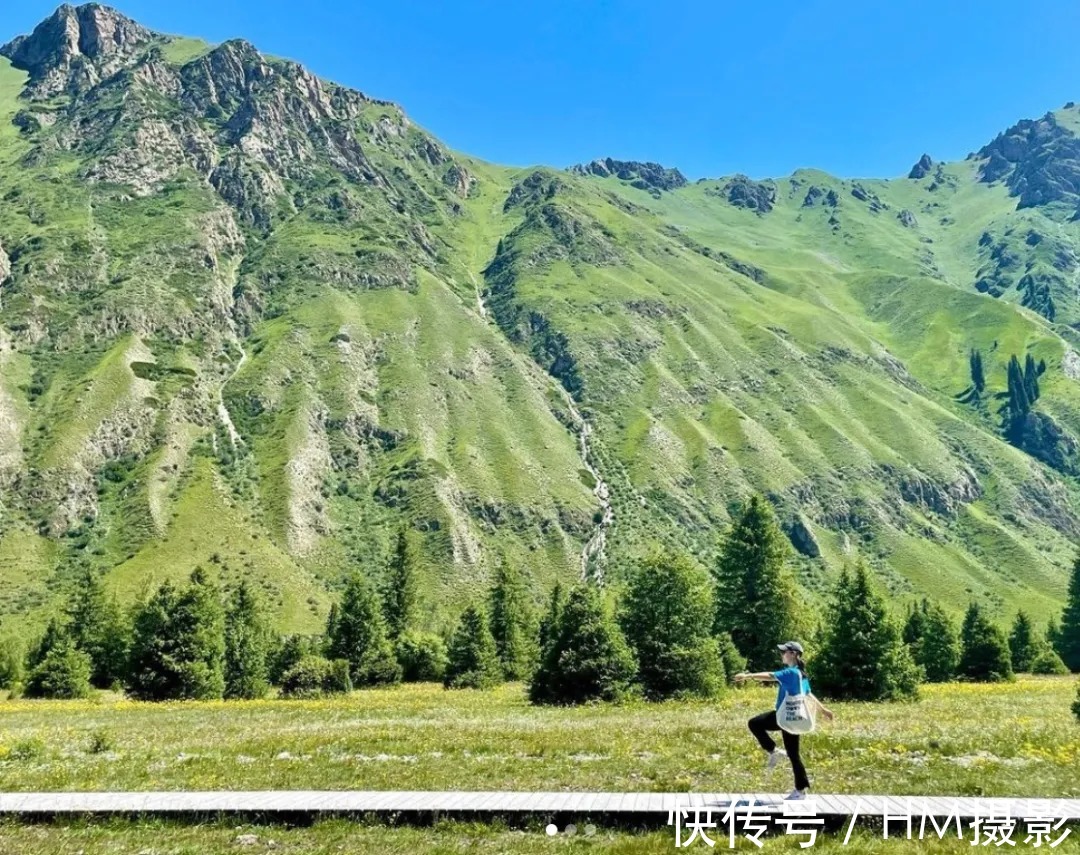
{"x": 1047, "y": 661}
{"x": 423, "y": 657}
{"x": 63, "y": 674}
{"x": 315, "y": 676}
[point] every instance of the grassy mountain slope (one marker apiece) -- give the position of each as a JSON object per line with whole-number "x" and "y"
{"x": 254, "y": 321}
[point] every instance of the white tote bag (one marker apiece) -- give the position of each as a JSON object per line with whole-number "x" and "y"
{"x": 796, "y": 713}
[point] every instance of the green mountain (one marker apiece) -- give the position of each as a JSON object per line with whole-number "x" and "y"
{"x": 256, "y": 321}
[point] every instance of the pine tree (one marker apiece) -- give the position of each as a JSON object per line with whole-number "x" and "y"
{"x": 863, "y": 656}
{"x": 915, "y": 625}
{"x": 984, "y": 651}
{"x": 1053, "y": 635}
{"x": 755, "y": 598}
{"x": 1023, "y": 646}
{"x": 247, "y": 639}
{"x": 586, "y": 657}
{"x": 178, "y": 645}
{"x": 402, "y": 597}
{"x": 98, "y": 627}
{"x": 62, "y": 674}
{"x": 361, "y": 637}
{"x": 550, "y": 622}
{"x": 978, "y": 375}
{"x": 199, "y": 623}
{"x": 667, "y": 618}
{"x": 473, "y": 660}
{"x": 1019, "y": 399}
{"x": 513, "y": 623}
{"x": 1069, "y": 632}
{"x": 937, "y": 651}
{"x": 152, "y": 672}
{"x": 1031, "y": 379}
{"x": 56, "y": 632}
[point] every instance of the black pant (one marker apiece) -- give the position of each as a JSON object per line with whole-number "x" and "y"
{"x": 760, "y": 725}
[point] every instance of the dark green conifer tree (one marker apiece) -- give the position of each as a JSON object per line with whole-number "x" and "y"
{"x": 755, "y": 598}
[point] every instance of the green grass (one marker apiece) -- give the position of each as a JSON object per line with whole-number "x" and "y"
{"x": 1014, "y": 739}
{"x": 1021, "y": 741}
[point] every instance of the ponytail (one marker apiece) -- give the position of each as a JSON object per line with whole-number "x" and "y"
{"x": 800, "y": 664}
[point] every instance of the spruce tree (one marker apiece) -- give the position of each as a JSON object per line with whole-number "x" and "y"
{"x": 863, "y": 655}
{"x": 178, "y": 644}
{"x": 1076, "y": 704}
{"x": 423, "y": 657}
{"x": 402, "y": 598}
{"x": 152, "y": 671}
{"x": 99, "y": 628}
{"x": 733, "y": 661}
{"x": 984, "y": 651}
{"x": 56, "y": 632}
{"x": 937, "y": 651}
{"x": 1031, "y": 378}
{"x": 247, "y": 639}
{"x": 978, "y": 375}
{"x": 513, "y": 623}
{"x": 1069, "y": 632}
{"x": 360, "y": 637}
{"x": 1019, "y": 400}
{"x": 199, "y": 624}
{"x": 550, "y": 621}
{"x": 586, "y": 657}
{"x": 915, "y": 625}
{"x": 62, "y": 674}
{"x": 1053, "y": 635}
{"x": 667, "y": 618}
{"x": 1023, "y": 645}
{"x": 473, "y": 659}
{"x": 755, "y": 599}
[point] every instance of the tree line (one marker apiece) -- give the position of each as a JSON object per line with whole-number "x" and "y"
{"x": 674, "y": 628}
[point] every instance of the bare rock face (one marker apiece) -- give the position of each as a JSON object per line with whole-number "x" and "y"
{"x": 75, "y": 48}
{"x": 651, "y": 177}
{"x": 922, "y": 168}
{"x": 5, "y": 265}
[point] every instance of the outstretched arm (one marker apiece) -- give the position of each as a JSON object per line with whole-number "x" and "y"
{"x": 825, "y": 711}
{"x": 760, "y": 676}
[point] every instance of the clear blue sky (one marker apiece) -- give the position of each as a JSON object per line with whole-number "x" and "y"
{"x": 854, "y": 87}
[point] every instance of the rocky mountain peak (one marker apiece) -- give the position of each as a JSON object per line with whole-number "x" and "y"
{"x": 651, "y": 177}
{"x": 1039, "y": 160}
{"x": 75, "y": 47}
{"x": 922, "y": 168}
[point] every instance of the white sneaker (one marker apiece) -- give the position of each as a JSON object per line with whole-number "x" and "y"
{"x": 796, "y": 795}
{"x": 775, "y": 757}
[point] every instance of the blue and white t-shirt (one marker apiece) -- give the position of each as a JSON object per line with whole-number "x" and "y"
{"x": 789, "y": 683}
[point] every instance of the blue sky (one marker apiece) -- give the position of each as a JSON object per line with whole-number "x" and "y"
{"x": 855, "y": 88}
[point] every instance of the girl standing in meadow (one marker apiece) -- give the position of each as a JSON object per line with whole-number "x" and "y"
{"x": 792, "y": 680}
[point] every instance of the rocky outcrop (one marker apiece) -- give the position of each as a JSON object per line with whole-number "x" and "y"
{"x": 1039, "y": 160}
{"x": 907, "y": 219}
{"x": 871, "y": 199}
{"x": 802, "y": 537}
{"x": 651, "y": 177}
{"x": 1044, "y": 439}
{"x": 936, "y": 496}
{"x": 458, "y": 179}
{"x": 743, "y": 192}
{"x": 922, "y": 168}
{"x": 535, "y": 187}
{"x": 75, "y": 48}
{"x": 5, "y": 265}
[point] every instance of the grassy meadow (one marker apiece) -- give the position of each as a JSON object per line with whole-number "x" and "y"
{"x": 960, "y": 739}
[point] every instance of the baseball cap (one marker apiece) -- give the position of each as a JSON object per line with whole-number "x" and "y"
{"x": 793, "y": 646}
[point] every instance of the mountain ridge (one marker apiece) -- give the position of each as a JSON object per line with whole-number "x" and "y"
{"x": 257, "y": 321}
